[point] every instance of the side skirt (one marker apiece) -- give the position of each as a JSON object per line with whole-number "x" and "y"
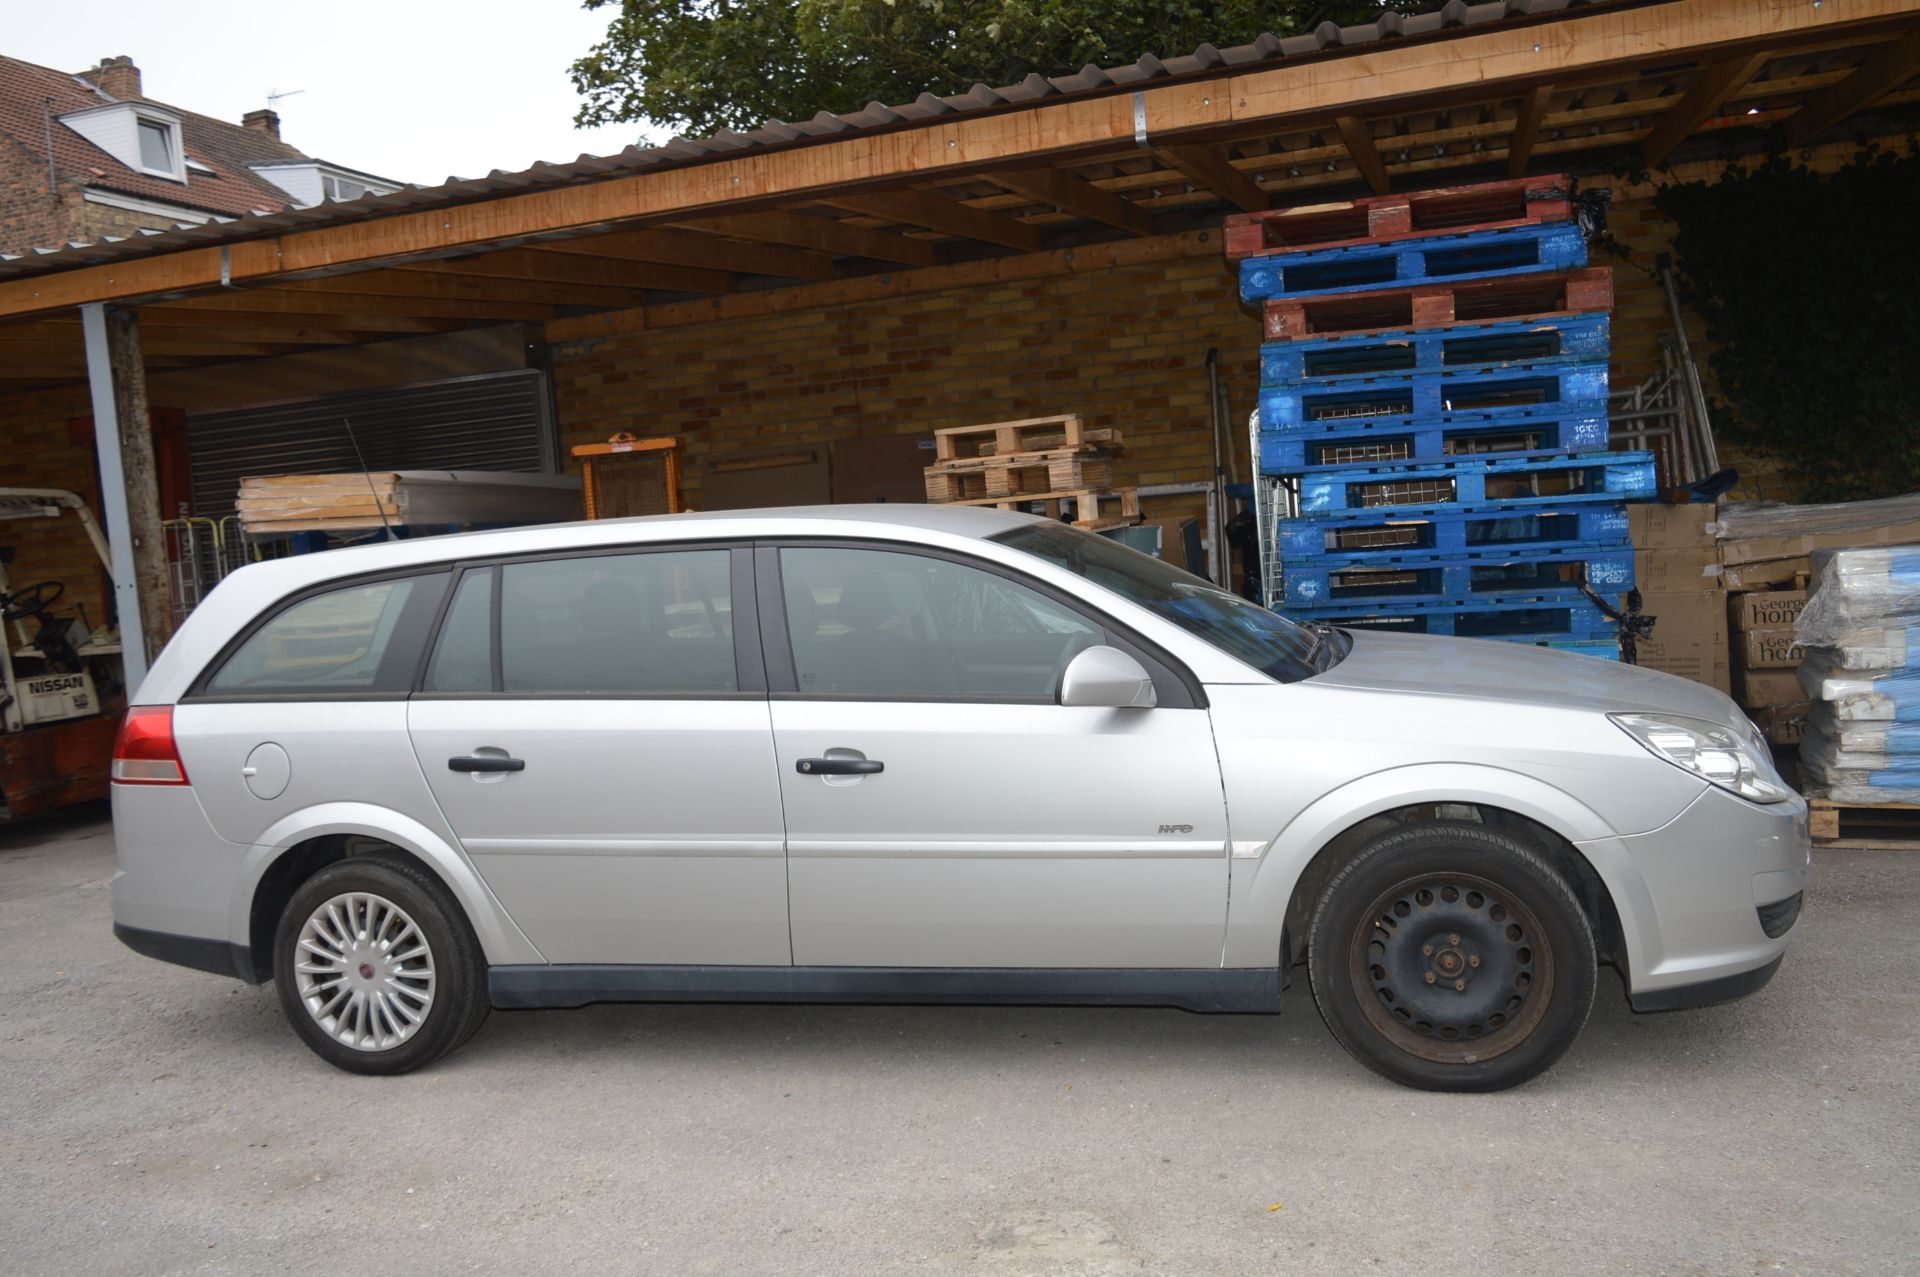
{"x": 1254, "y": 991}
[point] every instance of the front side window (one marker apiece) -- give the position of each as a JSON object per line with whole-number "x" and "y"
{"x": 156, "y": 147}
{"x": 1246, "y": 631}
{"x": 612, "y": 624}
{"x": 881, "y": 623}
{"x": 339, "y": 642}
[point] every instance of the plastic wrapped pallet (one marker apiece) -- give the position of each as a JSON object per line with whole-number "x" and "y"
{"x": 1862, "y": 672}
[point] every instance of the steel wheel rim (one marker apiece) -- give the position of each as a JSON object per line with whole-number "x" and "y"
{"x": 364, "y": 971}
{"x": 1451, "y": 968}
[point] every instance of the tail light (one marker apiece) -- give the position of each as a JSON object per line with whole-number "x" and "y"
{"x": 144, "y": 753}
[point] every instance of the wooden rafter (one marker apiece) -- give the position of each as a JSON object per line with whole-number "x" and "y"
{"x": 1076, "y": 195}
{"x": 566, "y": 268}
{"x": 1209, "y": 167}
{"x": 394, "y": 282}
{"x": 1526, "y": 129}
{"x": 1358, "y": 136}
{"x": 823, "y": 234}
{"x": 1879, "y": 75}
{"x": 1711, "y": 89}
{"x": 272, "y": 301}
{"x": 1499, "y": 60}
{"x": 948, "y": 217}
{"x": 349, "y": 325}
{"x": 683, "y": 248}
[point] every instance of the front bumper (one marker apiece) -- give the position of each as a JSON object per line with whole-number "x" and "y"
{"x": 1711, "y": 886}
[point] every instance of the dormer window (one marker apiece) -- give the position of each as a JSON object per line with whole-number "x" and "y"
{"x": 311, "y": 182}
{"x": 156, "y": 147}
{"x": 140, "y": 135}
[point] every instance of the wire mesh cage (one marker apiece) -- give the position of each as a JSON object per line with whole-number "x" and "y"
{"x": 627, "y": 476}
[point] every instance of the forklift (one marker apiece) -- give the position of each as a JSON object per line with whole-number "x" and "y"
{"x": 61, "y": 682}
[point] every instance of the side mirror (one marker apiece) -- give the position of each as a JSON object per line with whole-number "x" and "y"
{"x": 1107, "y": 677}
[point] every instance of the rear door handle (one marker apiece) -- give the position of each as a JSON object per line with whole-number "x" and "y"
{"x": 839, "y": 766}
{"x": 486, "y": 763}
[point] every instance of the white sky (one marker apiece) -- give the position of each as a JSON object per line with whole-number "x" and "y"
{"x": 409, "y": 89}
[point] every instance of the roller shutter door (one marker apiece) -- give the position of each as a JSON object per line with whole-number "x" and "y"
{"x": 497, "y": 421}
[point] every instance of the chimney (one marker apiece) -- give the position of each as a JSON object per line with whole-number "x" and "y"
{"x": 117, "y": 77}
{"x": 264, "y": 120}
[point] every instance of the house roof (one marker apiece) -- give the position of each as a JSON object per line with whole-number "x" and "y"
{"x": 29, "y": 92}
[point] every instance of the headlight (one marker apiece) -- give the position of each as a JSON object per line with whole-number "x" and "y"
{"x": 1712, "y": 751}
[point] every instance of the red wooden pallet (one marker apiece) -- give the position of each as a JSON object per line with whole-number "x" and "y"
{"x": 1441, "y": 304}
{"x": 1483, "y": 207}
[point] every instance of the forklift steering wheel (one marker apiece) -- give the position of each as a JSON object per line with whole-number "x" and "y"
{"x": 32, "y": 600}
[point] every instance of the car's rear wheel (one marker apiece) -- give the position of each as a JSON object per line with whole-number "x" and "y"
{"x": 1451, "y": 957}
{"x": 377, "y": 968}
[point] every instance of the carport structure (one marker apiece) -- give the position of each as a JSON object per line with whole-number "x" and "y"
{"x": 1047, "y": 178}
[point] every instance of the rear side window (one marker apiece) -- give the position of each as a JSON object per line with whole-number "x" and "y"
{"x": 646, "y": 624}
{"x": 359, "y": 639}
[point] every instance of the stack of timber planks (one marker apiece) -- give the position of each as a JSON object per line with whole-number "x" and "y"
{"x": 1044, "y": 460}
{"x": 1433, "y": 436}
{"x": 284, "y": 504}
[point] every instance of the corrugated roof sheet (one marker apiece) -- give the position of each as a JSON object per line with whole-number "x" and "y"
{"x": 1326, "y": 40}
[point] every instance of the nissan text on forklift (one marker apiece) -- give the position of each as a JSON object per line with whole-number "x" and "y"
{"x": 60, "y": 681}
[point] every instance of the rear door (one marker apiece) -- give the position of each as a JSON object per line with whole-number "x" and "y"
{"x": 1000, "y": 828}
{"x": 595, "y": 728}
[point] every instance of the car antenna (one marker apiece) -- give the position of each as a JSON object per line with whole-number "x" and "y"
{"x": 368, "y": 476}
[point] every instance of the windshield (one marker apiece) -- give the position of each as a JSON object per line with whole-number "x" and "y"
{"x": 1245, "y": 631}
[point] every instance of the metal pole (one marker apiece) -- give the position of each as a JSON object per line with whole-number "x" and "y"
{"x": 113, "y": 493}
{"x": 1704, "y": 446}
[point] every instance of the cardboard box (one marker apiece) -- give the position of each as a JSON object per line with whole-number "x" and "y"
{"x": 1689, "y": 636}
{"x": 1767, "y": 649}
{"x": 1760, "y": 689}
{"x": 1767, "y": 609}
{"x": 1180, "y": 543}
{"x": 1764, "y": 575}
{"x": 1671, "y": 571}
{"x": 1783, "y": 724}
{"x": 1671, "y": 527}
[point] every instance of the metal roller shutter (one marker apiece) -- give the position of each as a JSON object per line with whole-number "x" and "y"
{"x": 496, "y": 421}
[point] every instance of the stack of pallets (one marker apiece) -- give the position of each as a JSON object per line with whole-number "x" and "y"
{"x": 1433, "y": 415}
{"x": 1045, "y": 460}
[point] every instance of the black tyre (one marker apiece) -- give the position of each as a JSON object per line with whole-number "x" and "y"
{"x": 1451, "y": 957}
{"x": 377, "y": 968}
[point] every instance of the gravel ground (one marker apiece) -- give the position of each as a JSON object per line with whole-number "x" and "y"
{"x": 162, "y": 1121}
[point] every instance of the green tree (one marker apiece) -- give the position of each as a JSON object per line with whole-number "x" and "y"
{"x": 704, "y": 65}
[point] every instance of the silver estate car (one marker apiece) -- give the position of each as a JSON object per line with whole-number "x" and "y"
{"x": 920, "y": 755}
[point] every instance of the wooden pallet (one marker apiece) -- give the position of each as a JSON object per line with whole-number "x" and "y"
{"x": 1001, "y": 438}
{"x": 1889, "y": 826}
{"x": 1486, "y": 206}
{"x": 1051, "y": 470}
{"x": 1441, "y": 304}
{"x": 1088, "y": 506}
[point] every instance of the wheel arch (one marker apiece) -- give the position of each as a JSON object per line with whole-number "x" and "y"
{"x": 1272, "y": 901}
{"x": 298, "y": 846}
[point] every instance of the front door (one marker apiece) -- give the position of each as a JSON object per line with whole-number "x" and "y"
{"x": 595, "y": 729}
{"x": 1001, "y": 829}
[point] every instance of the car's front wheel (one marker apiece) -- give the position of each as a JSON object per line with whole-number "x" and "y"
{"x": 1451, "y": 957}
{"x": 377, "y": 968}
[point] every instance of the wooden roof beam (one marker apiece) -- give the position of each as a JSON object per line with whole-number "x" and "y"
{"x": 352, "y": 326}
{"x": 270, "y": 301}
{"x": 544, "y": 267}
{"x": 946, "y": 216}
{"x": 1716, "y": 84}
{"x": 822, "y": 234}
{"x": 1526, "y": 129}
{"x": 1209, "y": 167}
{"x": 1358, "y": 136}
{"x": 1076, "y": 195}
{"x": 405, "y": 282}
{"x": 682, "y": 248}
{"x": 1878, "y": 76}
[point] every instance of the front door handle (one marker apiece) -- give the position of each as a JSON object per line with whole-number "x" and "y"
{"x": 839, "y": 766}
{"x": 486, "y": 763}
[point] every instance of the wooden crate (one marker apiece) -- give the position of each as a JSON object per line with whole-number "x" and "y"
{"x": 1891, "y": 826}
{"x": 1002, "y": 438}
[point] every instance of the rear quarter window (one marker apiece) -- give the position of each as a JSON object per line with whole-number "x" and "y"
{"x": 355, "y": 640}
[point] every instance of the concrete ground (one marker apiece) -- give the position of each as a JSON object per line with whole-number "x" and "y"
{"x": 157, "y": 1120}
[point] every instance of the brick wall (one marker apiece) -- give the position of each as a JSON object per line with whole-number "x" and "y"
{"x": 29, "y": 217}
{"x": 1124, "y": 348}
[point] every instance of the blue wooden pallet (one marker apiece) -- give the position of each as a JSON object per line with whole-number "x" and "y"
{"x": 1519, "y": 250}
{"x": 1501, "y": 345}
{"x": 1439, "y": 579}
{"x": 1550, "y": 617}
{"x": 1607, "y": 649}
{"x": 1374, "y": 535}
{"x": 1515, "y": 484}
{"x": 1454, "y": 394}
{"x": 1371, "y": 445}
